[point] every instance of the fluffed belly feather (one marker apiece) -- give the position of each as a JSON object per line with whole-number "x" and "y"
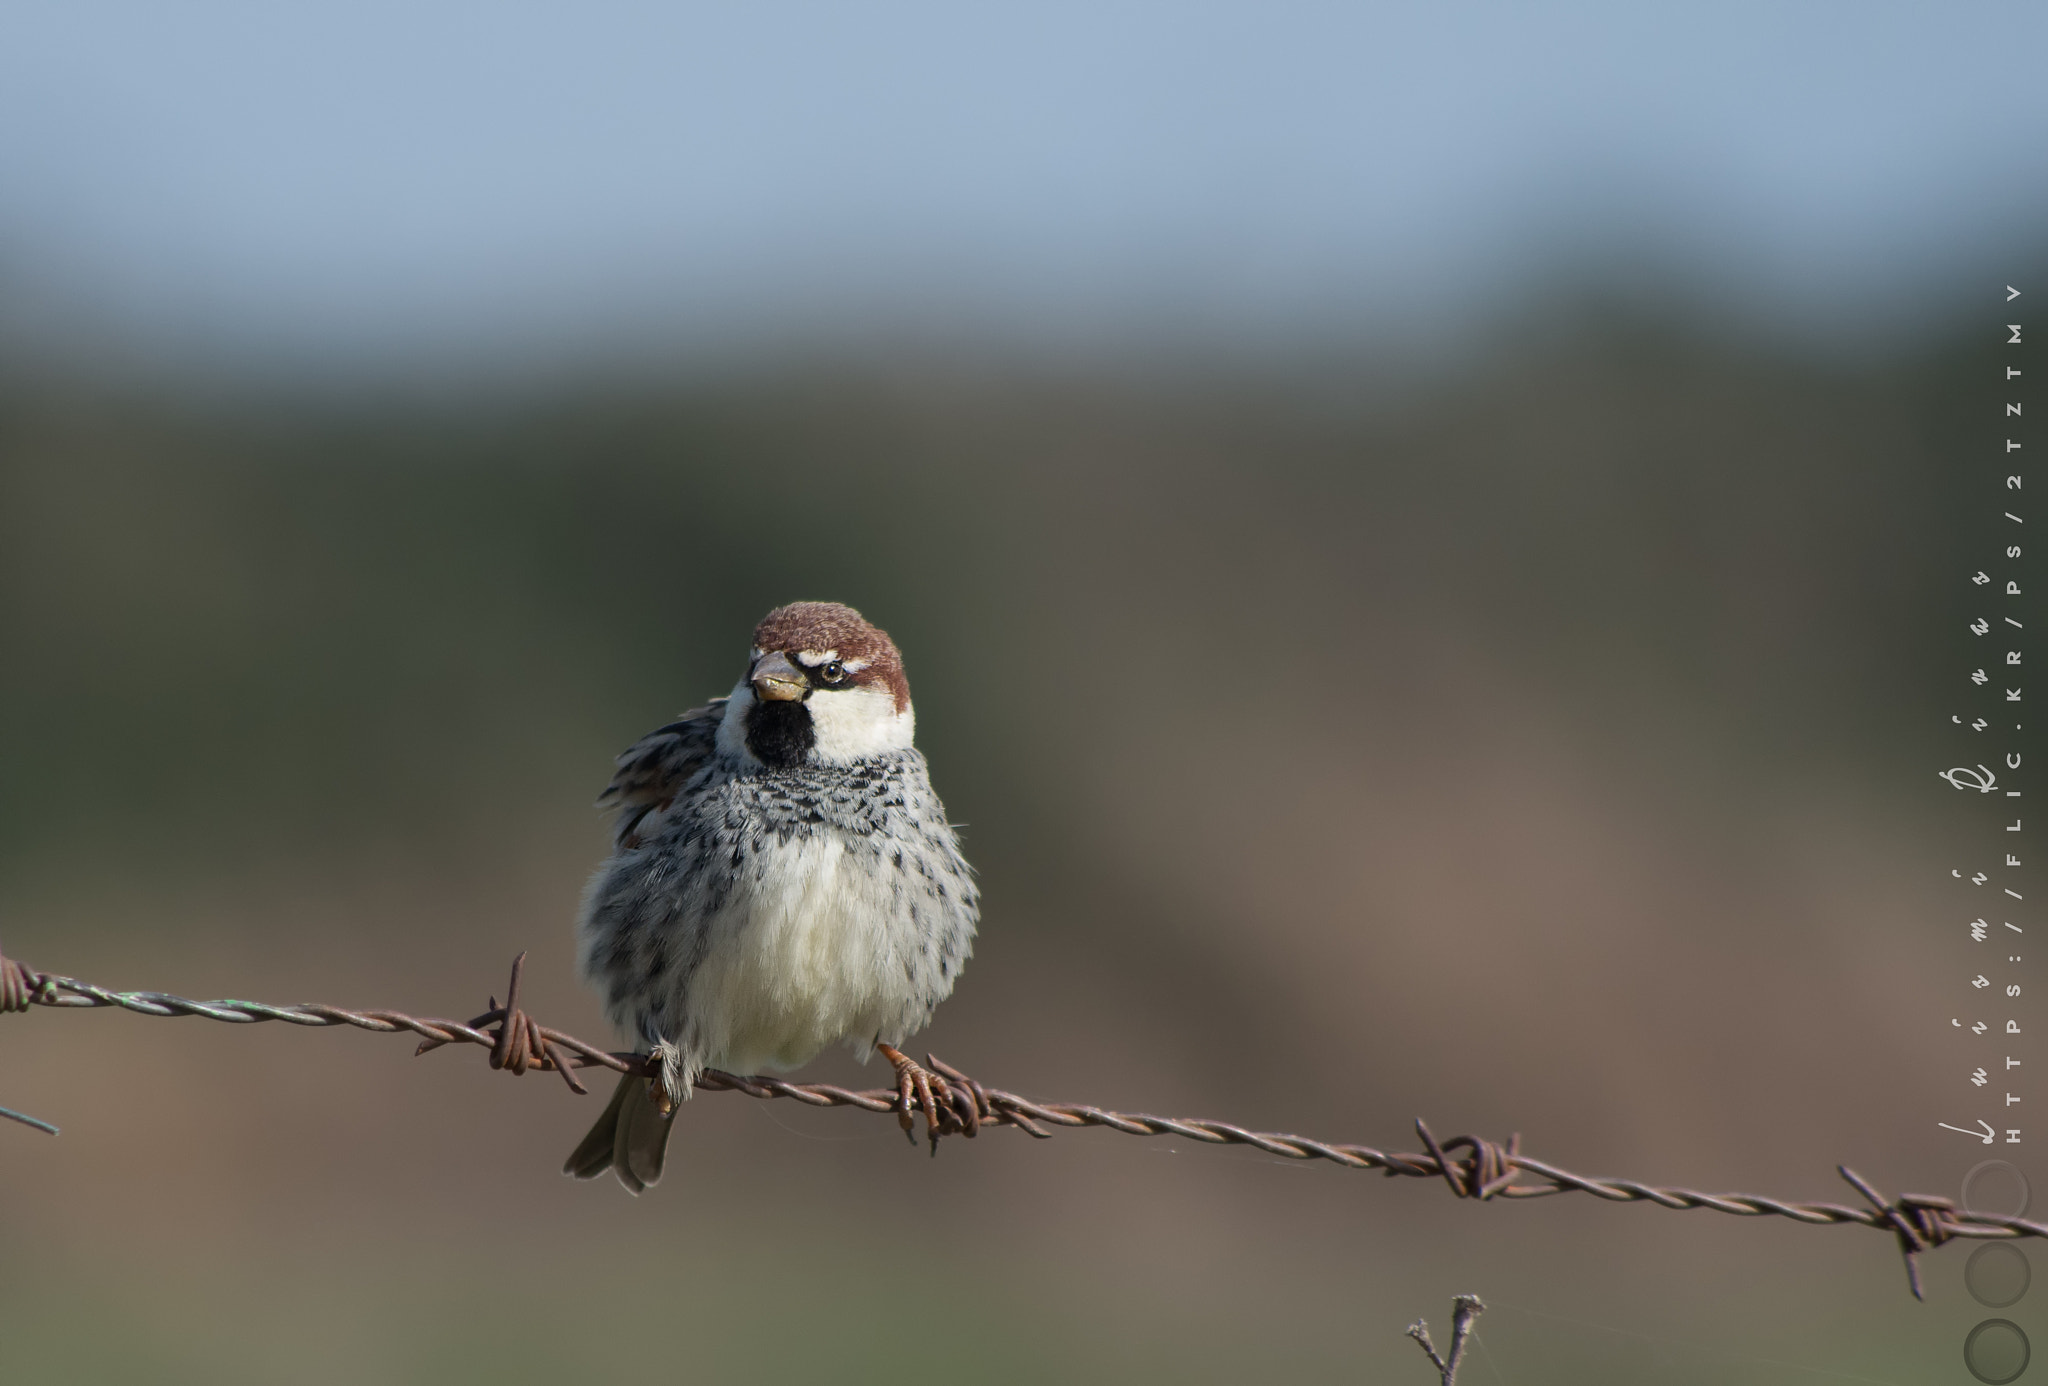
{"x": 759, "y": 958}
{"x": 820, "y": 949}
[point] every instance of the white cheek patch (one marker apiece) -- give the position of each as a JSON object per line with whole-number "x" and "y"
{"x": 855, "y": 723}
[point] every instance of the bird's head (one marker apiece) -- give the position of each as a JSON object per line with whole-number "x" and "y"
{"x": 822, "y": 687}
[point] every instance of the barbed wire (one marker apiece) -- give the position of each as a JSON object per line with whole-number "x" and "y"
{"x": 1483, "y": 1170}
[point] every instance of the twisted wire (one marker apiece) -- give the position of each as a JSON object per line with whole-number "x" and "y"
{"x": 1483, "y": 1170}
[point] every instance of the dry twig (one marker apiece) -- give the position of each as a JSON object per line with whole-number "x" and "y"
{"x": 1464, "y": 1310}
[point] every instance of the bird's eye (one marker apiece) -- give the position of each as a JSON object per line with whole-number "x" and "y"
{"x": 832, "y": 672}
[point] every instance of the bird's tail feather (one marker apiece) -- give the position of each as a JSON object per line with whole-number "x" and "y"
{"x": 630, "y": 1139}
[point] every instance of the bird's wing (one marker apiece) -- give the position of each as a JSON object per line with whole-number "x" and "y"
{"x": 652, "y": 769}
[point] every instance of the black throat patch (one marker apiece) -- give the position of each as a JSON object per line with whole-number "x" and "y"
{"x": 780, "y": 734}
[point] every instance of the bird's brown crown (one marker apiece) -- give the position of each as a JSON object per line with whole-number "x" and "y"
{"x": 827, "y": 629}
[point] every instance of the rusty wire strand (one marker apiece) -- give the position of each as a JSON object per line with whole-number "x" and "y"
{"x": 1484, "y": 1170}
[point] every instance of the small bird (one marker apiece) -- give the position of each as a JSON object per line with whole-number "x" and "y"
{"x": 782, "y": 878}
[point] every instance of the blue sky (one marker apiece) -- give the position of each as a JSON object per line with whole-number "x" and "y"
{"x": 384, "y": 179}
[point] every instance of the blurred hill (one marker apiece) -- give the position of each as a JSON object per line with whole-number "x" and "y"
{"x": 1541, "y": 744}
{"x": 373, "y": 596}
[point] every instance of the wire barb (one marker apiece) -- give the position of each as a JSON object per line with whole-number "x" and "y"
{"x": 1921, "y": 1221}
{"x": 1490, "y": 1169}
{"x": 1485, "y": 1171}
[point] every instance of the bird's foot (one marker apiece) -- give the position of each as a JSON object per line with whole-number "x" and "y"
{"x": 670, "y": 1082}
{"x": 952, "y": 1102}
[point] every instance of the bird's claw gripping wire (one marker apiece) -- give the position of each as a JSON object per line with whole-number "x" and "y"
{"x": 950, "y": 1100}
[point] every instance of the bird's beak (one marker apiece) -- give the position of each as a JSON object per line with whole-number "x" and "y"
{"x": 776, "y": 680}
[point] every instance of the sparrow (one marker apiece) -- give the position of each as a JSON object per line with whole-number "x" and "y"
{"x": 782, "y": 878}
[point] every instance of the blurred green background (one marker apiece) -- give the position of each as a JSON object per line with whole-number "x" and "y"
{"x": 1538, "y": 744}
{"x": 1431, "y": 544}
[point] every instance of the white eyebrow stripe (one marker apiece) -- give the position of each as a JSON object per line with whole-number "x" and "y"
{"x": 813, "y": 658}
